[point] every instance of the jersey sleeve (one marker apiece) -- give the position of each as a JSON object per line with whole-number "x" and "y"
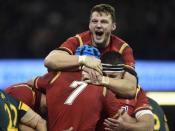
{"x": 23, "y": 88}
{"x": 42, "y": 83}
{"x": 128, "y": 57}
{"x": 22, "y": 109}
{"x": 111, "y": 104}
{"x": 142, "y": 102}
{"x": 70, "y": 45}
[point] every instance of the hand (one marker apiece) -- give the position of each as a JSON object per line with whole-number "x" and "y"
{"x": 91, "y": 62}
{"x": 70, "y": 129}
{"x": 116, "y": 123}
{"x": 91, "y": 76}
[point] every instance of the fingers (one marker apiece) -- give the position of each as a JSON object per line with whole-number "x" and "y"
{"x": 119, "y": 113}
{"x": 111, "y": 124}
{"x": 88, "y": 81}
{"x": 70, "y": 129}
{"x": 99, "y": 68}
{"x": 93, "y": 63}
{"x": 108, "y": 129}
{"x": 91, "y": 76}
{"x": 115, "y": 123}
{"x": 96, "y": 66}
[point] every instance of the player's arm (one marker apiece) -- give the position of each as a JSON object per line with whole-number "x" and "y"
{"x": 126, "y": 123}
{"x": 61, "y": 60}
{"x": 125, "y": 87}
{"x": 41, "y": 83}
{"x": 23, "y": 127}
{"x": 62, "y": 57}
{"x": 32, "y": 119}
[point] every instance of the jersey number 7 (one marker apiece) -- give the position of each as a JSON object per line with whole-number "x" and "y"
{"x": 80, "y": 86}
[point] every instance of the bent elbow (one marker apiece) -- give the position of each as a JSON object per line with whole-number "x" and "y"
{"x": 49, "y": 63}
{"x": 132, "y": 92}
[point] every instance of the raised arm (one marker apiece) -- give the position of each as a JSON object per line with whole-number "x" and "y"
{"x": 62, "y": 60}
{"x": 59, "y": 60}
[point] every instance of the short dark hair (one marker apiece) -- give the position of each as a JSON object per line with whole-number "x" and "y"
{"x": 105, "y": 8}
{"x": 115, "y": 58}
{"x": 112, "y": 58}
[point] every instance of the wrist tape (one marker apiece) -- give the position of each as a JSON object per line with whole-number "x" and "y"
{"x": 31, "y": 118}
{"x": 105, "y": 80}
{"x": 81, "y": 59}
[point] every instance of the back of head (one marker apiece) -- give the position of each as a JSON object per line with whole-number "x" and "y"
{"x": 112, "y": 57}
{"x": 88, "y": 50}
{"x": 112, "y": 62}
{"x": 105, "y": 8}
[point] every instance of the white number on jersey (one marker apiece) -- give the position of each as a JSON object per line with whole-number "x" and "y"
{"x": 80, "y": 86}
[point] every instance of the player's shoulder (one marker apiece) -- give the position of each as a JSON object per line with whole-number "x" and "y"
{"x": 117, "y": 39}
{"x": 10, "y": 99}
{"x": 79, "y": 39}
{"x": 22, "y": 85}
{"x": 155, "y": 105}
{"x": 2, "y": 95}
{"x": 118, "y": 43}
{"x": 152, "y": 101}
{"x": 84, "y": 34}
{"x": 18, "y": 88}
{"x": 85, "y": 37}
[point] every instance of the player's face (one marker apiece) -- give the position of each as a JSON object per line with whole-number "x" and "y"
{"x": 101, "y": 27}
{"x": 116, "y": 75}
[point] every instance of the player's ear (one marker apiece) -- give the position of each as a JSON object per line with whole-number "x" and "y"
{"x": 89, "y": 26}
{"x": 113, "y": 26}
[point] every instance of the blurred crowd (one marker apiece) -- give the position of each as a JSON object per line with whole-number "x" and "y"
{"x": 31, "y": 29}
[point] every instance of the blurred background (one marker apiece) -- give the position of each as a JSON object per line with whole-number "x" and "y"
{"x": 29, "y": 30}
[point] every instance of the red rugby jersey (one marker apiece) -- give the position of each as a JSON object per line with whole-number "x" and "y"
{"x": 116, "y": 44}
{"x": 131, "y": 106}
{"x": 26, "y": 94}
{"x": 73, "y": 103}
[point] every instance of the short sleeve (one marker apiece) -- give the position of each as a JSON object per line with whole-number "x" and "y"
{"x": 70, "y": 45}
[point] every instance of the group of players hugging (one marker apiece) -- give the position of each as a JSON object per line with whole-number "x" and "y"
{"x": 91, "y": 85}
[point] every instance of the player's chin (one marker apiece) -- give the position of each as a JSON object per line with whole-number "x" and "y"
{"x": 100, "y": 43}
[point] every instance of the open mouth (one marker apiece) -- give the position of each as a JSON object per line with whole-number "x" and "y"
{"x": 99, "y": 33}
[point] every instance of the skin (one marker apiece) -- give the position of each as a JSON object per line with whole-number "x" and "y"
{"x": 127, "y": 123}
{"x": 100, "y": 23}
{"x": 101, "y": 27}
{"x": 124, "y": 122}
{"x": 123, "y": 87}
{"x": 42, "y": 123}
{"x": 43, "y": 108}
{"x": 121, "y": 121}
